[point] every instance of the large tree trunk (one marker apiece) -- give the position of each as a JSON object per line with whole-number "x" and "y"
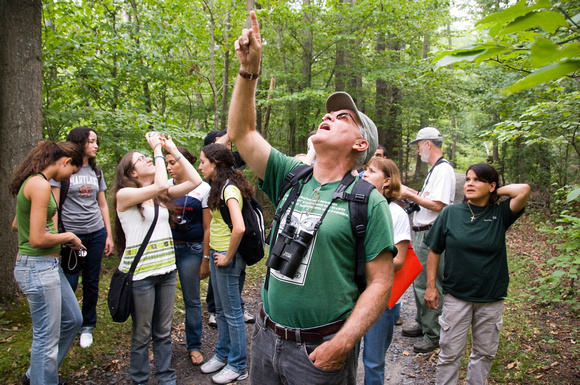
{"x": 20, "y": 112}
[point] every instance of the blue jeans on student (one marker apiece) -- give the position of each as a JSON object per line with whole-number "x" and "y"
{"x": 152, "y": 314}
{"x": 276, "y": 361}
{"x": 188, "y": 257}
{"x": 95, "y": 244}
{"x": 231, "y": 344}
{"x": 211, "y": 301}
{"x": 55, "y": 313}
{"x": 376, "y": 343}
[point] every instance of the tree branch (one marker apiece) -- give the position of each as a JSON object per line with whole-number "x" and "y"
{"x": 509, "y": 66}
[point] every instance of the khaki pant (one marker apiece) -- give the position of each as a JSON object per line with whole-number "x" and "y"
{"x": 485, "y": 320}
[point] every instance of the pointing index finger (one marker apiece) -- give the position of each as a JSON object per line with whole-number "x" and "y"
{"x": 255, "y": 25}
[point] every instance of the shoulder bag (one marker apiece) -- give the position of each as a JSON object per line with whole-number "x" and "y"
{"x": 120, "y": 295}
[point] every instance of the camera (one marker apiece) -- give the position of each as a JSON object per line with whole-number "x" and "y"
{"x": 81, "y": 252}
{"x": 289, "y": 250}
{"x": 412, "y": 207}
{"x": 181, "y": 224}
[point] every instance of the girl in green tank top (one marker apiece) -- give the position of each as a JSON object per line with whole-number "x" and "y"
{"x": 56, "y": 316}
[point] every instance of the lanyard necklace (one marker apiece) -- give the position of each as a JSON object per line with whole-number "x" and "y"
{"x": 475, "y": 215}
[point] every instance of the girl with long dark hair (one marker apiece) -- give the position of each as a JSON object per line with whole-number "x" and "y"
{"x": 140, "y": 184}
{"x": 191, "y": 238}
{"x": 85, "y": 212}
{"x": 55, "y": 313}
{"x": 229, "y": 187}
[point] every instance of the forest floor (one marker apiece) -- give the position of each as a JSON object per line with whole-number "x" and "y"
{"x": 539, "y": 343}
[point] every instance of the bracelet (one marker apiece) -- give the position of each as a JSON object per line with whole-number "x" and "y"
{"x": 248, "y": 75}
{"x": 159, "y": 156}
{"x": 179, "y": 157}
{"x": 206, "y": 256}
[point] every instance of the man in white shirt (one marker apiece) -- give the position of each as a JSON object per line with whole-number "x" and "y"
{"x": 438, "y": 191}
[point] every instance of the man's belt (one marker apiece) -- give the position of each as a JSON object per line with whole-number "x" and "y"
{"x": 313, "y": 335}
{"x": 422, "y": 228}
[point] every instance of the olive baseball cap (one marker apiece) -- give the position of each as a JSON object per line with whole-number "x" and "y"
{"x": 343, "y": 101}
{"x": 427, "y": 133}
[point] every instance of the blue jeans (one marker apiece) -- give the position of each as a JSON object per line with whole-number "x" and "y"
{"x": 376, "y": 343}
{"x": 231, "y": 344}
{"x": 188, "y": 257}
{"x": 276, "y": 361}
{"x": 55, "y": 313}
{"x": 211, "y": 301}
{"x": 152, "y": 314}
{"x": 95, "y": 244}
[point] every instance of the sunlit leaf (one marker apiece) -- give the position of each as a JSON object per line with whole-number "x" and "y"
{"x": 516, "y": 10}
{"x": 543, "y": 52}
{"x": 549, "y": 21}
{"x": 543, "y": 75}
{"x": 573, "y": 195}
{"x": 459, "y": 57}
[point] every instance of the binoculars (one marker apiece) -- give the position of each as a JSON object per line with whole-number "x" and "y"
{"x": 289, "y": 250}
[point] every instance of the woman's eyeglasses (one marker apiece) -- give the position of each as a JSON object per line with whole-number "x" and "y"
{"x": 141, "y": 158}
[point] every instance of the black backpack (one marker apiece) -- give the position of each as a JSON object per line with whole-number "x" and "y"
{"x": 251, "y": 246}
{"x": 358, "y": 203}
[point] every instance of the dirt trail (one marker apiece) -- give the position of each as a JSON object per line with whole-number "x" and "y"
{"x": 403, "y": 366}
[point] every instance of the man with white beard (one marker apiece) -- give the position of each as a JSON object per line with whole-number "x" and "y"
{"x": 438, "y": 191}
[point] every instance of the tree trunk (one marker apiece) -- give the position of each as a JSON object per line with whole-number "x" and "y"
{"x": 268, "y": 108}
{"x": 392, "y": 127}
{"x": 20, "y": 112}
{"x": 225, "y": 97}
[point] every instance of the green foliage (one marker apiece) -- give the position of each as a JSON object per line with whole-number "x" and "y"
{"x": 531, "y": 38}
{"x": 560, "y": 284}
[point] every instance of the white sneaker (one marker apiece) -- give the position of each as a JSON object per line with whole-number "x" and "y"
{"x": 248, "y": 318}
{"x": 211, "y": 321}
{"x": 213, "y": 365}
{"x": 227, "y": 375}
{"x": 86, "y": 340}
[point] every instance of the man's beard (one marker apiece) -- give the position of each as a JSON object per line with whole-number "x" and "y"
{"x": 425, "y": 155}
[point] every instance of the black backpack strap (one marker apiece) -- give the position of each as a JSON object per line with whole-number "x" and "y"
{"x": 224, "y": 210}
{"x": 358, "y": 205}
{"x": 64, "y": 187}
{"x": 292, "y": 179}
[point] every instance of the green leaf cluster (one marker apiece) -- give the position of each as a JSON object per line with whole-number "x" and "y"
{"x": 561, "y": 284}
{"x": 541, "y": 39}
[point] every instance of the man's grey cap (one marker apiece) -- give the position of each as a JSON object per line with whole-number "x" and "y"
{"x": 427, "y": 133}
{"x": 343, "y": 101}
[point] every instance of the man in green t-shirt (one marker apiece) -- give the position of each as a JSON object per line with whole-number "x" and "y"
{"x": 314, "y": 317}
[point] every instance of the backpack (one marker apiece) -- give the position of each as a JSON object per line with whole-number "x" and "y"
{"x": 251, "y": 246}
{"x": 358, "y": 203}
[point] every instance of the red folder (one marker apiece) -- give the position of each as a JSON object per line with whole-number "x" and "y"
{"x": 405, "y": 277}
